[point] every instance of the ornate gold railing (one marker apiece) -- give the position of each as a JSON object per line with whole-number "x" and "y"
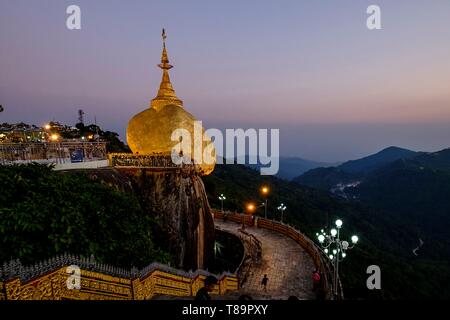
{"x": 130, "y": 160}
{"x": 49, "y": 281}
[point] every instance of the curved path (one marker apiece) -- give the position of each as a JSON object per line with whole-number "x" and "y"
{"x": 286, "y": 264}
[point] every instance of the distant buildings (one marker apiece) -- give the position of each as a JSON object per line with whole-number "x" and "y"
{"x": 53, "y": 143}
{"x": 51, "y": 132}
{"x": 21, "y": 132}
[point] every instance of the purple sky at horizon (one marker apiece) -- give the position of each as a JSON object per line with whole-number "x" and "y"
{"x": 336, "y": 90}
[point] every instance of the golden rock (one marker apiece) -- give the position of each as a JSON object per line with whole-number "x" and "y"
{"x": 150, "y": 131}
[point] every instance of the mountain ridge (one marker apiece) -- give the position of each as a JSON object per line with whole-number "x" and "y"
{"x": 291, "y": 166}
{"x": 353, "y": 171}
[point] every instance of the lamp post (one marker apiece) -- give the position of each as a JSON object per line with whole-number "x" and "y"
{"x": 281, "y": 208}
{"x": 265, "y": 192}
{"x": 222, "y": 198}
{"x": 250, "y": 209}
{"x": 335, "y": 249}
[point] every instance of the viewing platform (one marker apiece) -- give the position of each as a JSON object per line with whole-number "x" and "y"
{"x": 65, "y": 155}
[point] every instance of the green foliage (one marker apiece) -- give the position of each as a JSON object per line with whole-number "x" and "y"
{"x": 228, "y": 253}
{"x": 44, "y": 213}
{"x": 114, "y": 144}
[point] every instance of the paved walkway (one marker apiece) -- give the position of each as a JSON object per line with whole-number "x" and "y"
{"x": 286, "y": 264}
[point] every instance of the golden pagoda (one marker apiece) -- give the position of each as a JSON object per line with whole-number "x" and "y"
{"x": 150, "y": 131}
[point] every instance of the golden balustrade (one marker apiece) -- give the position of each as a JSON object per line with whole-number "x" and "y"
{"x": 96, "y": 285}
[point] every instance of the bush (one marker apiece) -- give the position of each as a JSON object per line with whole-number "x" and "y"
{"x": 44, "y": 213}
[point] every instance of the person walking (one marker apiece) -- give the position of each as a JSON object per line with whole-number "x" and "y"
{"x": 316, "y": 279}
{"x": 264, "y": 282}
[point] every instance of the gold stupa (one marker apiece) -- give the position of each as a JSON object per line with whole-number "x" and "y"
{"x": 149, "y": 132}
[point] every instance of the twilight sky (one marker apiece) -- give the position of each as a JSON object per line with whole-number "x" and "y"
{"x": 335, "y": 89}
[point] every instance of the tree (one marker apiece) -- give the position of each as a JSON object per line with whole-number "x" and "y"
{"x": 44, "y": 213}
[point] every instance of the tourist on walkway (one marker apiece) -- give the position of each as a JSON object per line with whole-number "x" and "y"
{"x": 203, "y": 293}
{"x": 316, "y": 278}
{"x": 318, "y": 285}
{"x": 264, "y": 282}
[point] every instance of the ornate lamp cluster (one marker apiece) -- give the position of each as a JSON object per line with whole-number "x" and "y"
{"x": 326, "y": 240}
{"x": 281, "y": 208}
{"x": 335, "y": 248}
{"x": 222, "y": 198}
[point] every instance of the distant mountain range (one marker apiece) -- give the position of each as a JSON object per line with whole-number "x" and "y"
{"x": 352, "y": 172}
{"x": 411, "y": 190}
{"x": 377, "y": 160}
{"x": 291, "y": 167}
{"x": 414, "y": 191}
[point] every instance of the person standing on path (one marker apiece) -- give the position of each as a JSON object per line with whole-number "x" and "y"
{"x": 264, "y": 282}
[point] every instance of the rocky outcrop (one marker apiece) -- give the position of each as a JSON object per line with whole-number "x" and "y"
{"x": 178, "y": 200}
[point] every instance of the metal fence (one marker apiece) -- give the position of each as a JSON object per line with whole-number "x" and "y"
{"x": 52, "y": 152}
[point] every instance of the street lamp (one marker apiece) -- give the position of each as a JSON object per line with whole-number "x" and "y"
{"x": 251, "y": 207}
{"x": 265, "y": 192}
{"x": 281, "y": 208}
{"x": 222, "y": 198}
{"x": 338, "y": 253}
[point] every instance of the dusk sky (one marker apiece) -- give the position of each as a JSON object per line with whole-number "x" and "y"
{"x": 335, "y": 89}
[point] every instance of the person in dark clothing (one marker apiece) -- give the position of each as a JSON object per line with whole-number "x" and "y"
{"x": 321, "y": 294}
{"x": 318, "y": 285}
{"x": 203, "y": 293}
{"x": 264, "y": 282}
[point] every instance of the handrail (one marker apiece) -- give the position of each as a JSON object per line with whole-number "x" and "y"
{"x": 14, "y": 269}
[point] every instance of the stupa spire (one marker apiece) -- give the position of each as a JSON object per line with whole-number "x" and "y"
{"x": 166, "y": 94}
